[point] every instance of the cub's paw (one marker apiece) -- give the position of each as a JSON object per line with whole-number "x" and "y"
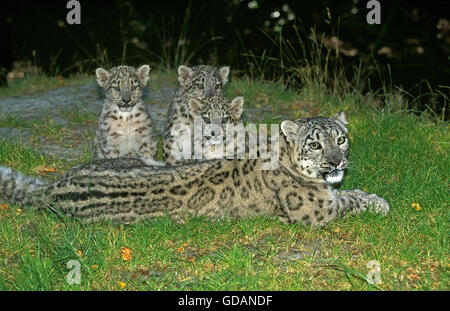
{"x": 377, "y": 204}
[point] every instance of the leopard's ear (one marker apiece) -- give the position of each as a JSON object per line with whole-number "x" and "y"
{"x": 143, "y": 74}
{"x": 102, "y": 76}
{"x": 195, "y": 106}
{"x": 237, "y": 107}
{"x": 289, "y": 129}
{"x": 340, "y": 119}
{"x": 184, "y": 73}
{"x": 340, "y": 116}
{"x": 224, "y": 72}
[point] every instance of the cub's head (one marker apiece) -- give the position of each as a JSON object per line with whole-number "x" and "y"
{"x": 318, "y": 147}
{"x": 215, "y": 114}
{"x": 123, "y": 85}
{"x": 203, "y": 81}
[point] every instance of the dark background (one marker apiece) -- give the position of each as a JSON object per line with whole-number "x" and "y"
{"x": 410, "y": 48}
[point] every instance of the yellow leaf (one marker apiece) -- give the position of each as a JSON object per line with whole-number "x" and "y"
{"x": 122, "y": 284}
{"x": 416, "y": 206}
{"x": 337, "y": 230}
{"x": 4, "y": 207}
{"x": 94, "y": 266}
{"x": 80, "y": 253}
{"x": 126, "y": 253}
{"x": 18, "y": 211}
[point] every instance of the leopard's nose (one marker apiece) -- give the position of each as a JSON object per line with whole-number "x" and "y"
{"x": 334, "y": 163}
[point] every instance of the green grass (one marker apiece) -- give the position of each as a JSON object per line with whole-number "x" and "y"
{"x": 24, "y": 159}
{"x": 394, "y": 154}
{"x": 34, "y": 84}
{"x": 79, "y": 117}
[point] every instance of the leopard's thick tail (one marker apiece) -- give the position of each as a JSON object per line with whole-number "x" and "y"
{"x": 16, "y": 188}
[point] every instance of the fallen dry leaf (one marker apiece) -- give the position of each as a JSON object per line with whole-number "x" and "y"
{"x": 18, "y": 211}
{"x": 60, "y": 80}
{"x": 4, "y": 207}
{"x": 190, "y": 258}
{"x": 125, "y": 253}
{"x": 122, "y": 284}
{"x": 355, "y": 252}
{"x": 44, "y": 169}
{"x": 413, "y": 277}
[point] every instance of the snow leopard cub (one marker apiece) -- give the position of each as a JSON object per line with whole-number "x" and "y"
{"x": 125, "y": 127}
{"x": 215, "y": 118}
{"x": 200, "y": 82}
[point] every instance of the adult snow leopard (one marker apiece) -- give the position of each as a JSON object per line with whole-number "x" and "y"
{"x": 312, "y": 154}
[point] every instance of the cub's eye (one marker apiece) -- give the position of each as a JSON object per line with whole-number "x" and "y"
{"x": 315, "y": 146}
{"x": 207, "y": 120}
{"x": 218, "y": 85}
{"x": 116, "y": 88}
{"x": 341, "y": 140}
{"x": 199, "y": 85}
{"x": 133, "y": 87}
{"x": 225, "y": 120}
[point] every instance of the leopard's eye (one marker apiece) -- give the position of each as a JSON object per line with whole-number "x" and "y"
{"x": 341, "y": 140}
{"x": 133, "y": 87}
{"x": 225, "y": 120}
{"x": 218, "y": 85}
{"x": 199, "y": 84}
{"x": 207, "y": 120}
{"x": 116, "y": 88}
{"x": 315, "y": 146}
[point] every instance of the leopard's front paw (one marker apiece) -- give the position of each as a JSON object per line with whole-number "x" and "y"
{"x": 377, "y": 204}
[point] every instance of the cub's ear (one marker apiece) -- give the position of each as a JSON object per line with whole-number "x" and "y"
{"x": 195, "y": 106}
{"x": 184, "y": 73}
{"x": 237, "y": 107}
{"x": 102, "y": 76}
{"x": 340, "y": 116}
{"x": 143, "y": 74}
{"x": 224, "y": 72}
{"x": 289, "y": 129}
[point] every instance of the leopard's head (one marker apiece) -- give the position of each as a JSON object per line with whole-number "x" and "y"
{"x": 203, "y": 81}
{"x": 123, "y": 85}
{"x": 214, "y": 115}
{"x": 318, "y": 146}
